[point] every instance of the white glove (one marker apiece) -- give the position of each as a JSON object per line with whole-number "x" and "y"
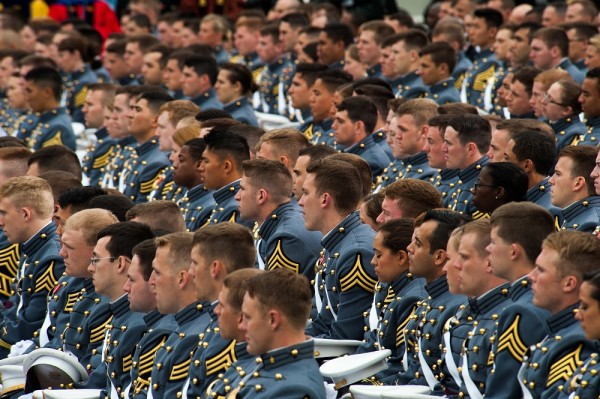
{"x": 330, "y": 392}
{"x": 19, "y": 348}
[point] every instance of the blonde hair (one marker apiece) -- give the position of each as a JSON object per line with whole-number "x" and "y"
{"x": 89, "y": 222}
{"x": 29, "y": 192}
{"x": 185, "y": 134}
{"x": 180, "y": 249}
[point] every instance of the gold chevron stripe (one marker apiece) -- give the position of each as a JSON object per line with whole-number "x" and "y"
{"x": 80, "y": 97}
{"x": 97, "y": 334}
{"x": 358, "y": 276}
{"x": 563, "y": 369}
{"x": 511, "y": 341}
{"x": 102, "y": 161}
{"x": 127, "y": 363}
{"x": 180, "y": 371}
{"x": 47, "y": 281}
{"x": 401, "y": 326}
{"x": 71, "y": 300}
{"x": 278, "y": 259}
{"x": 482, "y": 77}
{"x": 221, "y": 361}
{"x": 147, "y": 186}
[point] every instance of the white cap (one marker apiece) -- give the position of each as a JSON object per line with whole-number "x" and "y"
{"x": 50, "y": 368}
{"x": 330, "y": 348}
{"x": 39, "y": 394}
{"x": 72, "y": 393}
{"x": 13, "y": 361}
{"x": 379, "y": 391}
{"x": 13, "y": 379}
{"x": 349, "y": 369}
{"x": 403, "y": 395}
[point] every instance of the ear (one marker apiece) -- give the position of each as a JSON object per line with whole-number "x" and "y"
{"x": 123, "y": 265}
{"x": 579, "y": 184}
{"x": 402, "y": 257}
{"x": 262, "y": 196}
{"x": 567, "y": 111}
{"x": 285, "y": 160}
{"x": 515, "y": 251}
{"x": 440, "y": 257}
{"x": 555, "y": 51}
{"x": 27, "y": 214}
{"x": 274, "y": 319}
{"x": 228, "y": 166}
{"x": 197, "y": 165}
{"x": 501, "y": 192}
{"x": 183, "y": 277}
{"x": 216, "y": 268}
{"x": 326, "y": 200}
{"x": 472, "y": 148}
{"x": 570, "y": 284}
{"x": 527, "y": 165}
{"x": 414, "y": 55}
{"x": 424, "y": 131}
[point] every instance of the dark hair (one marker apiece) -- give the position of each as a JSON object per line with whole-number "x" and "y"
{"x": 554, "y": 37}
{"x": 217, "y": 240}
{"x": 75, "y": 43}
{"x": 397, "y": 234}
{"x": 310, "y": 71}
{"x": 584, "y": 161}
{"x": 195, "y": 148}
{"x": 79, "y": 198}
{"x": 144, "y": 41}
{"x": 471, "y": 128}
{"x": 526, "y": 75}
{"x": 334, "y": 78}
{"x": 536, "y": 146}
{"x": 415, "y": 196}
{"x": 340, "y": 179}
{"x": 360, "y": 108}
{"x": 164, "y": 215}
{"x": 46, "y": 77}
{"x": 361, "y": 165}
{"x": 141, "y": 20}
{"x": 511, "y": 177}
{"x": 56, "y": 157}
{"x": 118, "y": 205}
{"x": 10, "y": 141}
{"x": 296, "y": 19}
{"x": 315, "y": 152}
{"x": 145, "y": 251}
{"x": 212, "y": 113}
{"x": 239, "y": 73}
{"x": 446, "y": 222}
{"x": 440, "y": 53}
{"x": 225, "y": 143}
{"x": 493, "y": 18}
{"x": 124, "y": 236}
{"x": 203, "y": 65}
{"x": 155, "y": 100}
{"x": 403, "y": 17}
{"x": 593, "y": 279}
{"x": 337, "y": 31}
{"x": 60, "y": 182}
{"x": 414, "y": 39}
{"x": 372, "y": 204}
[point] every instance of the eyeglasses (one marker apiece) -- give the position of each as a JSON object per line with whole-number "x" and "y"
{"x": 549, "y": 100}
{"x": 94, "y": 260}
{"x": 477, "y": 185}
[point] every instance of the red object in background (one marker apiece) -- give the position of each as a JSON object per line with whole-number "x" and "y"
{"x": 100, "y": 15}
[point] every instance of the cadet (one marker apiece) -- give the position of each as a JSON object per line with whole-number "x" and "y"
{"x": 212, "y": 262}
{"x": 566, "y": 256}
{"x": 423, "y": 333}
{"x": 221, "y": 168}
{"x": 198, "y": 202}
{"x": 345, "y": 283}
{"x": 43, "y": 89}
{"x": 245, "y": 41}
{"x": 353, "y": 125}
{"x": 234, "y": 85}
{"x": 54, "y": 158}
{"x": 371, "y": 35}
{"x": 299, "y": 93}
{"x": 405, "y": 56}
{"x": 332, "y": 43}
{"x": 550, "y": 49}
{"x": 488, "y": 296}
{"x": 486, "y": 22}
{"x": 534, "y": 152}
{"x": 98, "y": 101}
{"x": 159, "y": 215}
{"x": 71, "y": 201}
{"x": 26, "y": 205}
{"x": 264, "y": 198}
{"x": 229, "y": 312}
{"x": 561, "y": 106}
{"x": 397, "y": 294}
{"x": 512, "y": 256}
{"x": 149, "y": 164}
{"x": 275, "y": 309}
{"x": 466, "y": 140}
{"x": 135, "y": 48}
{"x": 198, "y": 77}
{"x": 158, "y": 326}
{"x": 176, "y": 294}
{"x": 321, "y": 101}
{"x": 408, "y": 198}
{"x": 445, "y": 180}
{"x": 437, "y": 63}
{"x": 590, "y": 93}
{"x": 573, "y": 188}
{"x": 114, "y": 62}
{"x": 173, "y": 71}
{"x": 305, "y": 156}
{"x": 109, "y": 265}
{"x": 213, "y": 31}
{"x": 453, "y": 32}
{"x": 72, "y": 55}
{"x": 275, "y": 78}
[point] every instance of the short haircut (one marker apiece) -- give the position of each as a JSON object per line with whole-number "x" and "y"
{"x": 108, "y": 92}
{"x": 227, "y": 144}
{"x": 493, "y": 18}
{"x": 372, "y": 204}
{"x": 571, "y": 91}
{"x": 159, "y": 215}
{"x": 471, "y": 129}
{"x": 29, "y": 192}
{"x": 360, "y": 108}
{"x": 89, "y": 222}
{"x": 46, "y": 77}
{"x": 285, "y": 141}
{"x": 124, "y": 236}
{"x": 593, "y": 279}
{"x": 536, "y": 146}
{"x": 145, "y": 251}
{"x": 144, "y": 41}
{"x": 116, "y": 47}
{"x": 270, "y": 30}
{"x": 215, "y": 242}
{"x": 554, "y": 37}
{"x": 397, "y": 234}
{"x": 212, "y": 113}
{"x": 538, "y": 220}
{"x": 446, "y": 221}
{"x": 415, "y": 196}
{"x": 237, "y": 284}
{"x": 512, "y": 178}
{"x": 589, "y": 8}
{"x": 56, "y": 157}
{"x": 155, "y": 100}
{"x": 203, "y": 65}
{"x": 178, "y": 109}
{"x": 339, "y": 32}
{"x": 514, "y": 126}
{"x": 340, "y": 179}
{"x": 413, "y": 39}
{"x": 79, "y": 198}
{"x": 584, "y": 161}
{"x": 380, "y": 96}
{"x": 36, "y": 61}
{"x": 252, "y": 134}
{"x": 310, "y": 71}
{"x": 238, "y": 73}
{"x": 10, "y": 141}
{"x": 14, "y": 161}
{"x": 380, "y": 29}
{"x": 284, "y": 290}
{"x": 584, "y": 31}
{"x": 118, "y": 205}
{"x": 457, "y": 108}
{"x": 185, "y": 134}
{"x": 526, "y": 76}
{"x": 481, "y": 228}
{"x": 578, "y": 252}
{"x": 334, "y": 78}
{"x": 296, "y": 19}
{"x": 74, "y": 43}
{"x": 60, "y": 182}
{"x": 219, "y": 23}
{"x": 594, "y": 73}
{"x": 270, "y": 175}
{"x": 440, "y": 53}
{"x": 403, "y": 17}
{"x": 421, "y": 109}
{"x": 452, "y": 30}
{"x": 180, "y": 249}
{"x": 316, "y": 151}
{"x": 195, "y": 148}
{"x": 180, "y": 56}
{"x": 361, "y": 165}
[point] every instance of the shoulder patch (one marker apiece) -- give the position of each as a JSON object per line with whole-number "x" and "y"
{"x": 102, "y": 160}
{"x": 146, "y": 361}
{"x": 221, "y": 361}
{"x": 71, "y": 300}
{"x": 127, "y": 363}
{"x": 148, "y": 185}
{"x": 358, "y": 277}
{"x": 511, "y": 340}
{"x": 278, "y": 259}
{"x": 563, "y": 368}
{"x": 79, "y": 99}
{"x": 390, "y": 295}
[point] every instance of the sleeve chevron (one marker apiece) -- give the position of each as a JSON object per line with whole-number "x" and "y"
{"x": 563, "y": 368}
{"x": 482, "y": 77}
{"x": 147, "y": 186}
{"x": 221, "y": 361}
{"x": 278, "y": 259}
{"x": 357, "y": 276}
{"x": 400, "y": 328}
{"x": 47, "y": 281}
{"x": 180, "y": 371}
{"x": 511, "y": 340}
{"x": 54, "y": 140}
{"x": 97, "y": 334}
